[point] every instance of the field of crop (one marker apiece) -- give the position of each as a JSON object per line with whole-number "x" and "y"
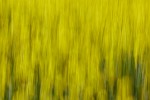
{"x": 74, "y": 49}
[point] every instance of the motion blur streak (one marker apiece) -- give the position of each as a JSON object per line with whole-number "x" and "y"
{"x": 74, "y": 50}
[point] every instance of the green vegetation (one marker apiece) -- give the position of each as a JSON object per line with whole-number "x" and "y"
{"x": 74, "y": 49}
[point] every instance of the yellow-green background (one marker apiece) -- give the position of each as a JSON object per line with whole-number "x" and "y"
{"x": 74, "y": 49}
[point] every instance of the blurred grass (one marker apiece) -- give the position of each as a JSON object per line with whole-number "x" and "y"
{"x": 74, "y": 49}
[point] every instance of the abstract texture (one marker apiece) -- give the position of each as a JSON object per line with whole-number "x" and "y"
{"x": 74, "y": 50}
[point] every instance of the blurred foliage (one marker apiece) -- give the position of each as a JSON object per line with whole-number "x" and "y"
{"x": 74, "y": 49}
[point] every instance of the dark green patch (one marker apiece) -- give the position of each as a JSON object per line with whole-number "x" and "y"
{"x": 128, "y": 65}
{"x": 62, "y": 64}
{"x": 111, "y": 90}
{"x": 115, "y": 89}
{"x": 6, "y": 94}
{"x": 9, "y": 89}
{"x": 9, "y": 19}
{"x": 53, "y": 91}
{"x": 37, "y": 83}
{"x": 138, "y": 82}
{"x": 131, "y": 65}
{"x": 110, "y": 94}
{"x": 66, "y": 93}
{"x": 95, "y": 96}
{"x": 102, "y": 65}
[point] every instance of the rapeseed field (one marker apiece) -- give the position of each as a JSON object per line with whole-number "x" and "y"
{"x": 74, "y": 49}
